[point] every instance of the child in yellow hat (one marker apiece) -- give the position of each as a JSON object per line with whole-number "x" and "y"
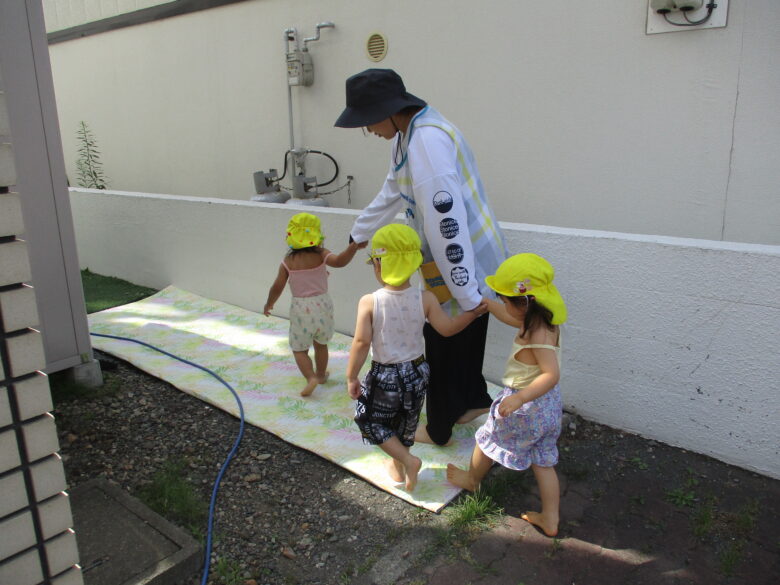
{"x": 524, "y": 423}
{"x": 390, "y": 322}
{"x": 311, "y": 309}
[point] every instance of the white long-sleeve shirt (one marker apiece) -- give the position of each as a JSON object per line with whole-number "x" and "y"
{"x": 438, "y": 184}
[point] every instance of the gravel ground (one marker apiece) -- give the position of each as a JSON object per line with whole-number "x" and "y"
{"x": 284, "y": 515}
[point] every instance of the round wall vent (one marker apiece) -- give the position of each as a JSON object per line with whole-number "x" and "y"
{"x": 376, "y": 47}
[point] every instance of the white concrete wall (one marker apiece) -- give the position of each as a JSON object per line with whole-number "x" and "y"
{"x": 577, "y": 117}
{"x": 671, "y": 338}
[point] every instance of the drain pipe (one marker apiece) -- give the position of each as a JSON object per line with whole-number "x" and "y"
{"x": 291, "y": 34}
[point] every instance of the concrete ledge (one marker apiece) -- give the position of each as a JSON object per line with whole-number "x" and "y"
{"x": 671, "y": 338}
{"x": 122, "y": 542}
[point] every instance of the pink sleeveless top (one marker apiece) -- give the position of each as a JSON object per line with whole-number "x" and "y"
{"x": 309, "y": 282}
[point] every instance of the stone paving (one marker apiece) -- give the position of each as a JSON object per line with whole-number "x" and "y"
{"x": 633, "y": 512}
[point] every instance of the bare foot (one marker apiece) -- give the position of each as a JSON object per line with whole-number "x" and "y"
{"x": 549, "y": 527}
{"x": 395, "y": 470}
{"x": 471, "y": 414}
{"x": 323, "y": 378}
{"x": 311, "y": 384}
{"x": 461, "y": 478}
{"x": 421, "y": 436}
{"x": 412, "y": 469}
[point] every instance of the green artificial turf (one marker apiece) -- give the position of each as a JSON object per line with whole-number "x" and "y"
{"x": 103, "y": 292}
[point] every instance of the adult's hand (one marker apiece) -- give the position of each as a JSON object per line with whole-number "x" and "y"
{"x": 361, "y": 245}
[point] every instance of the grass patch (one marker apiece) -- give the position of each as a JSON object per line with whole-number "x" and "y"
{"x": 346, "y": 576}
{"x": 480, "y": 568}
{"x": 703, "y": 520}
{"x": 746, "y": 517}
{"x": 731, "y": 557}
{"x": 103, "y": 292}
{"x": 684, "y": 496}
{"x": 172, "y": 496}
{"x": 554, "y": 548}
{"x": 681, "y": 497}
{"x": 639, "y": 463}
{"x": 228, "y": 572}
{"x": 467, "y": 517}
{"x": 475, "y": 511}
{"x": 367, "y": 563}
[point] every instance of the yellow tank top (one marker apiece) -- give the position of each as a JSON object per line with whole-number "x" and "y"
{"x": 517, "y": 374}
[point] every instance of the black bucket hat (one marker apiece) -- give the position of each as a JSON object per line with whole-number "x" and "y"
{"x": 374, "y": 95}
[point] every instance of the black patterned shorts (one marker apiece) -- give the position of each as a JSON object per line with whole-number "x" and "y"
{"x": 391, "y": 398}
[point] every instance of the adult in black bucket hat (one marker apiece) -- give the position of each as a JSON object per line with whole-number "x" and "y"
{"x": 434, "y": 178}
{"x": 374, "y": 95}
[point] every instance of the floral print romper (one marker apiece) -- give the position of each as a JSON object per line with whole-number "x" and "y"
{"x": 530, "y": 434}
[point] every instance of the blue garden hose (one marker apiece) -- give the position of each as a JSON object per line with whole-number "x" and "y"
{"x": 207, "y": 561}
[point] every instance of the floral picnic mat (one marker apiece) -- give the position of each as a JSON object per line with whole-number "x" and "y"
{"x": 250, "y": 352}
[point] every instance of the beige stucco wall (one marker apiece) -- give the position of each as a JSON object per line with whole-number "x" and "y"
{"x": 63, "y": 14}
{"x": 577, "y": 117}
{"x": 672, "y": 338}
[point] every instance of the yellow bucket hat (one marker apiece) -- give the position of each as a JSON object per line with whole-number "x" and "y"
{"x": 398, "y": 247}
{"x": 529, "y": 274}
{"x": 303, "y": 231}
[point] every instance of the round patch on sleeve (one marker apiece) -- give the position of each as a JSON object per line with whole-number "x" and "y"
{"x": 460, "y": 276}
{"x": 442, "y": 201}
{"x": 449, "y": 228}
{"x": 454, "y": 253}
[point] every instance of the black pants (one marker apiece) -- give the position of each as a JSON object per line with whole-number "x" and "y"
{"x": 456, "y": 383}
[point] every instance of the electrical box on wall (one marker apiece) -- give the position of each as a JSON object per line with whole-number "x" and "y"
{"x": 681, "y": 15}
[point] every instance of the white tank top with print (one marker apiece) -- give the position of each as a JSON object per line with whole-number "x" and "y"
{"x": 397, "y": 325}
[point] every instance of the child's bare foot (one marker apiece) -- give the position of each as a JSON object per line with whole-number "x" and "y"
{"x": 471, "y": 414}
{"x": 322, "y": 378}
{"x": 412, "y": 469}
{"x": 311, "y": 384}
{"x": 548, "y": 526}
{"x": 395, "y": 470}
{"x": 461, "y": 478}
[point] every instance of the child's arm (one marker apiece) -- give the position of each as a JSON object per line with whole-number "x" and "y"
{"x": 498, "y": 310}
{"x": 543, "y": 383}
{"x": 443, "y": 323}
{"x": 341, "y": 260}
{"x": 360, "y": 344}
{"x": 276, "y": 290}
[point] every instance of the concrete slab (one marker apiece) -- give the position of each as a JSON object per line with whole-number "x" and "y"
{"x": 633, "y": 512}
{"x": 122, "y": 542}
